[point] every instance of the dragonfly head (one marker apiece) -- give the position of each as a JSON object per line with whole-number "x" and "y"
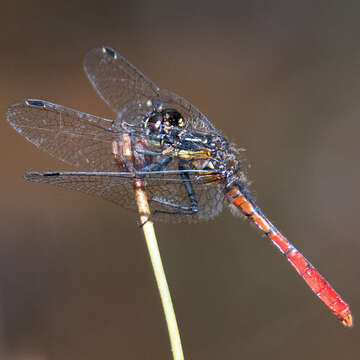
{"x": 162, "y": 120}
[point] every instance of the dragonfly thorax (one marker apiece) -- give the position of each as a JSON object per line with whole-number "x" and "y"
{"x": 205, "y": 151}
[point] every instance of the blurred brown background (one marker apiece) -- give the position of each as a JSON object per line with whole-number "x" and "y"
{"x": 281, "y": 79}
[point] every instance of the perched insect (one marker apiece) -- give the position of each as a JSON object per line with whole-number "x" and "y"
{"x": 188, "y": 168}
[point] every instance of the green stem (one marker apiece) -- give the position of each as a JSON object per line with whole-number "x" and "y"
{"x": 152, "y": 245}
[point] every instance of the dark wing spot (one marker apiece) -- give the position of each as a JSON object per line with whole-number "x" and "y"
{"x": 109, "y": 51}
{"x": 35, "y": 103}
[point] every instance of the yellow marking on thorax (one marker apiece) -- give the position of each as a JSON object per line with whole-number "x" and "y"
{"x": 192, "y": 155}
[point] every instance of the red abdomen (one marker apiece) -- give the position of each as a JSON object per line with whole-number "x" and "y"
{"x": 239, "y": 197}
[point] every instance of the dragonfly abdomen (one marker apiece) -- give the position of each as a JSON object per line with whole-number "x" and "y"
{"x": 240, "y": 198}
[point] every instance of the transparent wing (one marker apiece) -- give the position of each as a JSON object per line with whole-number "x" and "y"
{"x": 195, "y": 119}
{"x": 116, "y": 80}
{"x": 118, "y": 188}
{"x": 79, "y": 139}
{"x": 131, "y": 94}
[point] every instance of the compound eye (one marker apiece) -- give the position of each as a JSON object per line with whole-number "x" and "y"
{"x": 173, "y": 118}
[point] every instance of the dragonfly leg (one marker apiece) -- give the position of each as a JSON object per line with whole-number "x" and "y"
{"x": 120, "y": 158}
{"x": 144, "y": 151}
{"x": 181, "y": 209}
{"x": 158, "y": 165}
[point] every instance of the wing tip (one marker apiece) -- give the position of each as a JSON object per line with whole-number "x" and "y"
{"x": 36, "y": 103}
{"x": 14, "y": 113}
{"x": 31, "y": 175}
{"x": 11, "y": 112}
{"x": 36, "y": 176}
{"x": 26, "y": 102}
{"x": 104, "y": 50}
{"x": 107, "y": 50}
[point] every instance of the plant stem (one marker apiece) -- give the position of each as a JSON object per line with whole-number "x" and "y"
{"x": 152, "y": 245}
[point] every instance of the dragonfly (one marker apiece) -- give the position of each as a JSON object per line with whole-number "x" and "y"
{"x": 189, "y": 170}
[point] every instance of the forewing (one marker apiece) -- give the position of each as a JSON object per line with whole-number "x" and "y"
{"x": 131, "y": 94}
{"x": 79, "y": 139}
{"x": 118, "y": 188}
{"x": 116, "y": 80}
